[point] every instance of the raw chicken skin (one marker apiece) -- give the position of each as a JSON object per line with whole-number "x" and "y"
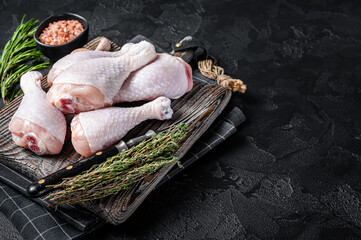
{"x": 167, "y": 76}
{"x": 37, "y": 125}
{"x": 93, "y": 83}
{"x": 77, "y": 57}
{"x": 99, "y": 129}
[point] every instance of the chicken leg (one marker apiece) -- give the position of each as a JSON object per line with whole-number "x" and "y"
{"x": 93, "y": 83}
{"x": 37, "y": 125}
{"x": 96, "y": 130}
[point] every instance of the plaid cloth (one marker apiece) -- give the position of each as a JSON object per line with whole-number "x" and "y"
{"x": 78, "y": 217}
{"x": 32, "y": 220}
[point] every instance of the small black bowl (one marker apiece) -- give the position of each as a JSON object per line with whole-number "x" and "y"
{"x": 55, "y": 52}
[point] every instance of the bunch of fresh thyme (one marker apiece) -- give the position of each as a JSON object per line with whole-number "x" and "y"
{"x": 18, "y": 51}
{"x": 121, "y": 171}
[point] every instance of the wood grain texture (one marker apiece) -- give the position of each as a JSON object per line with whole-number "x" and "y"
{"x": 201, "y": 105}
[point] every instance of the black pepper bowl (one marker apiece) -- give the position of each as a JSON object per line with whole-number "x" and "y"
{"x": 55, "y": 52}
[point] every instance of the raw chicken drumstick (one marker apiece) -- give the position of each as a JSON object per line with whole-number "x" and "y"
{"x": 99, "y": 129}
{"x": 93, "y": 83}
{"x": 37, "y": 125}
{"x": 167, "y": 76}
{"x": 80, "y": 56}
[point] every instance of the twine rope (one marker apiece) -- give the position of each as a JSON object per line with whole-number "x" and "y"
{"x": 215, "y": 72}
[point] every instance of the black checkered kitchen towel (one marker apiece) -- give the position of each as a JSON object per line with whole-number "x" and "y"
{"x": 34, "y": 221}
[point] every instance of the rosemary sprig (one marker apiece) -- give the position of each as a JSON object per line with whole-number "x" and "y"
{"x": 120, "y": 172}
{"x": 18, "y": 51}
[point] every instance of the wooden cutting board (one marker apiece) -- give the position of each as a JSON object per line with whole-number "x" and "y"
{"x": 203, "y": 104}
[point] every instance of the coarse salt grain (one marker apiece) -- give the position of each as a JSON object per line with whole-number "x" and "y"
{"x": 61, "y": 32}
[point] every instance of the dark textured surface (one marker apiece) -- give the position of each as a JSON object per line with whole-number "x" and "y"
{"x": 293, "y": 169}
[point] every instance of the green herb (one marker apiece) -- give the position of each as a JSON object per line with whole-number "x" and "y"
{"x": 121, "y": 171}
{"x": 18, "y": 51}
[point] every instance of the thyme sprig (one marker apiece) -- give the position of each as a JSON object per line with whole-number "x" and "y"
{"x": 15, "y": 58}
{"x": 120, "y": 172}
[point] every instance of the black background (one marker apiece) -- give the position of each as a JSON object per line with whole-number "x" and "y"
{"x": 292, "y": 171}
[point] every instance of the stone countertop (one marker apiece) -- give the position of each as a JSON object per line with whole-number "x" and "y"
{"x": 293, "y": 169}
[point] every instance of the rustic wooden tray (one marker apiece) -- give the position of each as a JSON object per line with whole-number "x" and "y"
{"x": 202, "y": 104}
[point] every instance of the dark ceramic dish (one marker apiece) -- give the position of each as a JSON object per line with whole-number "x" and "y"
{"x": 55, "y": 52}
